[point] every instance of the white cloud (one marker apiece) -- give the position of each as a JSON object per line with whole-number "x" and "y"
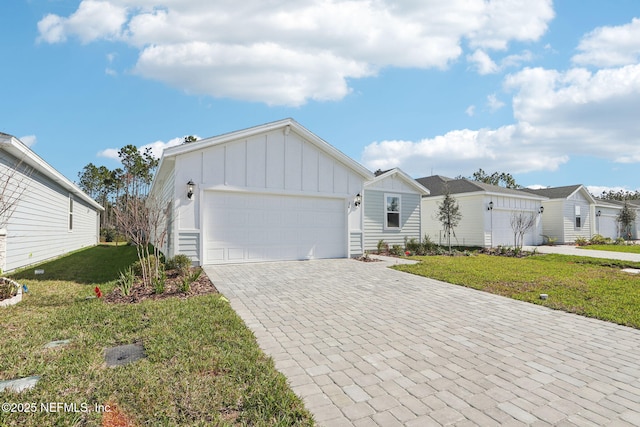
{"x": 494, "y": 103}
{"x": 610, "y": 46}
{"x": 289, "y": 52}
{"x": 93, "y": 20}
{"x": 483, "y": 63}
{"x": 558, "y": 115}
{"x": 156, "y": 147}
{"x": 470, "y": 111}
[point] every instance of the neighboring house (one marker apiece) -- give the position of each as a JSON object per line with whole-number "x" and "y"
{"x": 568, "y": 214}
{"x": 487, "y": 211}
{"x": 606, "y": 218}
{"x": 607, "y": 213}
{"x": 271, "y": 192}
{"x": 51, "y": 215}
{"x": 392, "y": 209}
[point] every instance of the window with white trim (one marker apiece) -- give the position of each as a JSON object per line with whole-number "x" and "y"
{"x": 392, "y": 211}
{"x": 70, "y": 212}
{"x": 578, "y": 218}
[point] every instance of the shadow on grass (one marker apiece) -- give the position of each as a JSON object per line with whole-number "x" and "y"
{"x": 95, "y": 265}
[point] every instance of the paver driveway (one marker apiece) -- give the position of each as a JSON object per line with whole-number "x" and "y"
{"x": 366, "y": 345}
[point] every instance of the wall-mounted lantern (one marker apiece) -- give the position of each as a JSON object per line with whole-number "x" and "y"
{"x": 490, "y": 207}
{"x": 357, "y": 200}
{"x": 541, "y": 210}
{"x": 598, "y": 213}
{"x": 190, "y": 186}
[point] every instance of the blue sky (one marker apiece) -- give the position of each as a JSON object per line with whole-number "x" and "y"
{"x": 547, "y": 91}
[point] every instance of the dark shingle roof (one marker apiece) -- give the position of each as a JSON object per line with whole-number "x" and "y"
{"x": 555, "y": 192}
{"x": 438, "y": 185}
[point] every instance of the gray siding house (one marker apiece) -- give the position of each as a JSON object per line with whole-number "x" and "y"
{"x": 392, "y": 208}
{"x": 45, "y": 214}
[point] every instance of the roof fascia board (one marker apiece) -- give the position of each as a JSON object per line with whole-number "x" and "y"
{"x": 397, "y": 171}
{"x": 23, "y": 153}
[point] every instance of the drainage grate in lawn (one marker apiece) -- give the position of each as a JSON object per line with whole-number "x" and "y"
{"x": 124, "y": 354}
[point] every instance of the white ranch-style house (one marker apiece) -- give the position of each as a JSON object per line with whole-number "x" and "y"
{"x": 271, "y": 192}
{"x": 487, "y": 211}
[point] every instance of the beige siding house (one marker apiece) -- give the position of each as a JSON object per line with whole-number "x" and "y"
{"x": 486, "y": 211}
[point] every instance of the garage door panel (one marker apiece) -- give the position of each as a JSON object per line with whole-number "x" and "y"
{"x": 241, "y": 227}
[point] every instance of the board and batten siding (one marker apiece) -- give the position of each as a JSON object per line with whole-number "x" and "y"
{"x": 471, "y": 229}
{"x": 279, "y": 161}
{"x": 374, "y": 219}
{"x": 571, "y": 232}
{"x": 39, "y": 228}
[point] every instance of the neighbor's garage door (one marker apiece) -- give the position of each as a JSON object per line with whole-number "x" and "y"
{"x": 241, "y": 227}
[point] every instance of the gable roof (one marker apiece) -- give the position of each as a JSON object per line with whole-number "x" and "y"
{"x": 438, "y": 185}
{"x": 288, "y": 125}
{"x": 402, "y": 175}
{"x": 20, "y": 151}
{"x": 563, "y": 192}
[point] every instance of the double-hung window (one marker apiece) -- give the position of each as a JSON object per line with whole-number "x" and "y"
{"x": 578, "y": 219}
{"x": 392, "y": 211}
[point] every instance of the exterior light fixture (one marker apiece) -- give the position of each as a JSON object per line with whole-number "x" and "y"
{"x": 598, "y": 213}
{"x": 490, "y": 208}
{"x": 357, "y": 200}
{"x": 190, "y": 186}
{"x": 541, "y": 210}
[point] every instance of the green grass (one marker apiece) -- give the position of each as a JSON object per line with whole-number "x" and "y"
{"x": 203, "y": 366}
{"x": 95, "y": 265}
{"x": 588, "y": 286}
{"x": 634, "y": 249}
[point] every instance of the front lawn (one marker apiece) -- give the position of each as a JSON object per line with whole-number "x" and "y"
{"x": 634, "y": 249}
{"x": 590, "y": 287}
{"x": 202, "y": 366}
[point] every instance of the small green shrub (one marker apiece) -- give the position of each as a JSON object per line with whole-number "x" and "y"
{"x": 180, "y": 262}
{"x": 382, "y": 246}
{"x": 619, "y": 241}
{"x": 581, "y": 241}
{"x": 396, "y": 250}
{"x": 412, "y": 245}
{"x": 125, "y": 281}
{"x": 599, "y": 239}
{"x": 427, "y": 244}
{"x": 159, "y": 282}
{"x": 188, "y": 279}
{"x": 153, "y": 263}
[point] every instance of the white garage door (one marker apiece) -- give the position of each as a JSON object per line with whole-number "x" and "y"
{"x": 503, "y": 232}
{"x": 241, "y": 227}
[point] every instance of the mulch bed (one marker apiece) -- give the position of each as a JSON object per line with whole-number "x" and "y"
{"x": 7, "y": 289}
{"x": 139, "y": 292}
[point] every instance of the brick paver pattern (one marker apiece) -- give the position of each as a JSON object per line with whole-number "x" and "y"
{"x": 365, "y": 345}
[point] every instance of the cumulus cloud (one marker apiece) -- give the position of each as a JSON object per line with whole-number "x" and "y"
{"x": 558, "y": 114}
{"x": 610, "y": 46}
{"x": 156, "y": 148}
{"x": 482, "y": 62}
{"x": 289, "y": 52}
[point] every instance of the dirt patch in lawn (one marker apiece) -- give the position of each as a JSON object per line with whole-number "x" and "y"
{"x": 140, "y": 292}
